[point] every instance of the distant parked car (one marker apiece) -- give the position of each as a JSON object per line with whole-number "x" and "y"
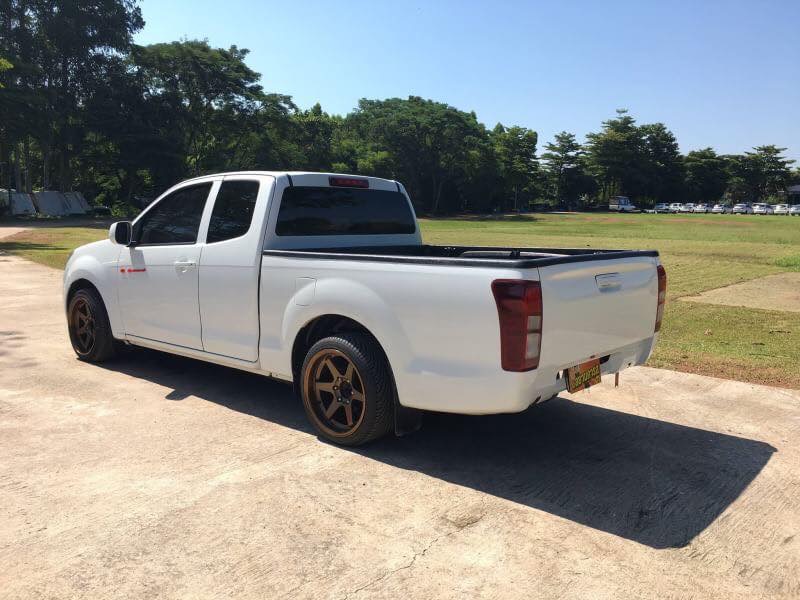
{"x": 721, "y": 209}
{"x": 661, "y": 208}
{"x": 781, "y": 209}
{"x": 794, "y": 211}
{"x": 763, "y": 209}
{"x": 743, "y": 209}
{"x": 675, "y": 207}
{"x": 687, "y": 208}
{"x": 700, "y": 208}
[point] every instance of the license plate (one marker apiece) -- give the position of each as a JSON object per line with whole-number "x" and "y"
{"x": 584, "y": 375}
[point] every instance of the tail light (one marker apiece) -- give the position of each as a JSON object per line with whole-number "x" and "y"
{"x": 662, "y": 296}
{"x": 519, "y": 307}
{"x": 352, "y": 182}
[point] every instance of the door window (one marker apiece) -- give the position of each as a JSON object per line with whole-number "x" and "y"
{"x": 175, "y": 219}
{"x": 233, "y": 210}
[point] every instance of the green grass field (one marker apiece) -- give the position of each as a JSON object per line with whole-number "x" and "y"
{"x": 699, "y": 252}
{"x": 51, "y": 245}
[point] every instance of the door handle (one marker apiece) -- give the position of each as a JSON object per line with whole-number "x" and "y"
{"x": 185, "y": 264}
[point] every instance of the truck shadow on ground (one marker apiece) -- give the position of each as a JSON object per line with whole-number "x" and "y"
{"x": 650, "y": 481}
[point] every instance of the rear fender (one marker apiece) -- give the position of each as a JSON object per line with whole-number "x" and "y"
{"x": 355, "y": 301}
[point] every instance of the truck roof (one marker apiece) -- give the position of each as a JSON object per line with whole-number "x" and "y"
{"x": 291, "y": 174}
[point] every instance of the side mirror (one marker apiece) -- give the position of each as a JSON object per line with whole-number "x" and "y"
{"x": 121, "y": 232}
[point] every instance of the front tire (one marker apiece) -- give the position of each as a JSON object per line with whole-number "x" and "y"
{"x": 347, "y": 389}
{"x": 89, "y": 328}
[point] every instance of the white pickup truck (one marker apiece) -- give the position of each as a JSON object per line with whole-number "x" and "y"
{"x": 323, "y": 280}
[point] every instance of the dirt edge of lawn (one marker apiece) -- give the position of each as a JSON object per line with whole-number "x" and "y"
{"x": 779, "y": 292}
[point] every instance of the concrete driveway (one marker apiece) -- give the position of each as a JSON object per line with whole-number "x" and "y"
{"x": 157, "y": 476}
{"x": 7, "y": 231}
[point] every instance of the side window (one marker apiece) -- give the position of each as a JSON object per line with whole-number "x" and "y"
{"x": 233, "y": 210}
{"x": 175, "y": 219}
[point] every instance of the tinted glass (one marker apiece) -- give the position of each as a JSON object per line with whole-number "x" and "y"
{"x": 175, "y": 219}
{"x": 233, "y": 210}
{"x": 343, "y": 211}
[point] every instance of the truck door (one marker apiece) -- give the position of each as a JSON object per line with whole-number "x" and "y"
{"x": 158, "y": 274}
{"x": 230, "y": 267}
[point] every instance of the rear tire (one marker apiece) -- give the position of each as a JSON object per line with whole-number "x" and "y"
{"x": 89, "y": 328}
{"x": 347, "y": 390}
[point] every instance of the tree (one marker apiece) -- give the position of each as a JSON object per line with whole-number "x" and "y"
{"x": 639, "y": 161}
{"x": 706, "y": 175}
{"x": 80, "y": 104}
{"x": 201, "y": 88}
{"x": 615, "y": 157}
{"x": 771, "y": 170}
{"x": 5, "y": 119}
{"x": 184, "y": 108}
{"x": 755, "y": 176}
{"x": 566, "y": 169}
{"x": 314, "y": 135}
{"x": 430, "y": 145}
{"x": 4, "y": 66}
{"x": 60, "y": 50}
{"x": 661, "y": 164}
{"x": 515, "y": 149}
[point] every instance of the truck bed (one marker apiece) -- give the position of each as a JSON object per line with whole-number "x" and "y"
{"x": 438, "y": 322}
{"x": 466, "y": 256}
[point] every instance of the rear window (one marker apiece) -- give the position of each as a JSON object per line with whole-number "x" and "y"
{"x": 343, "y": 211}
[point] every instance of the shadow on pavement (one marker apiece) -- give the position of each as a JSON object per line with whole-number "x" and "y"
{"x": 650, "y": 481}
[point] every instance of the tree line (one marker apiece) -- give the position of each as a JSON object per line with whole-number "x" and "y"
{"x": 84, "y": 108}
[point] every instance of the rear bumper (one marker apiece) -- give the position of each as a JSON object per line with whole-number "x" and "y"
{"x": 551, "y": 381}
{"x": 505, "y": 392}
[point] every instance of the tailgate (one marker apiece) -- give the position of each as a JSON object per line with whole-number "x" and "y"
{"x": 592, "y": 308}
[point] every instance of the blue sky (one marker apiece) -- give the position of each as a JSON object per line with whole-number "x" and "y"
{"x": 720, "y": 74}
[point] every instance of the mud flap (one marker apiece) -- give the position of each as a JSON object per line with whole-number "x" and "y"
{"x": 406, "y": 420}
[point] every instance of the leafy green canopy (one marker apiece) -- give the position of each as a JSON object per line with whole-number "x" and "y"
{"x": 82, "y": 107}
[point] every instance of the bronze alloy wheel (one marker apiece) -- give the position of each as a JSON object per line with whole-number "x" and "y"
{"x": 89, "y": 329}
{"x": 82, "y": 327}
{"x": 335, "y": 392}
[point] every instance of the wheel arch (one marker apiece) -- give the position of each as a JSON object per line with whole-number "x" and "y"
{"x": 323, "y": 326}
{"x": 338, "y": 303}
{"x": 86, "y": 275}
{"x": 405, "y": 420}
{"x": 81, "y": 284}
